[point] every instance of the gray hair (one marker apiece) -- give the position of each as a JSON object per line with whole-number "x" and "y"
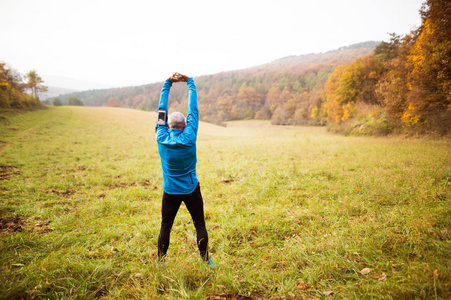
{"x": 176, "y": 120}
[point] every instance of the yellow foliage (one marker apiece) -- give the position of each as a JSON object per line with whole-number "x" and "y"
{"x": 417, "y": 54}
{"x": 375, "y": 113}
{"x": 409, "y": 86}
{"x": 409, "y": 116}
{"x": 332, "y": 103}
{"x": 348, "y": 110}
{"x": 314, "y": 113}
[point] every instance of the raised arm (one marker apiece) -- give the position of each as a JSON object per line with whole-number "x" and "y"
{"x": 192, "y": 119}
{"x": 163, "y": 105}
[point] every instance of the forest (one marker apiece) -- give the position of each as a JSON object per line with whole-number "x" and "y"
{"x": 291, "y": 85}
{"x": 404, "y": 84}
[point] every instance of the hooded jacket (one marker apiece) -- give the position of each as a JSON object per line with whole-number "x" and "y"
{"x": 177, "y": 148}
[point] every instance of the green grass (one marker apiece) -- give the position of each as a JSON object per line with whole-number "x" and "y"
{"x": 292, "y": 212}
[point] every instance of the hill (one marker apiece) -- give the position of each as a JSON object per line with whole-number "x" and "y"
{"x": 60, "y": 85}
{"x": 295, "y": 64}
{"x": 241, "y": 94}
{"x": 54, "y": 91}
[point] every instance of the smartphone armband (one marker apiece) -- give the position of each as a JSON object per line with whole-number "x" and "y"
{"x": 162, "y": 118}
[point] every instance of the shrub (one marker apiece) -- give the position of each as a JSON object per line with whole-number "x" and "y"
{"x": 57, "y": 102}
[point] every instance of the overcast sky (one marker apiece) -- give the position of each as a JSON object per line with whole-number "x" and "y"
{"x": 132, "y": 42}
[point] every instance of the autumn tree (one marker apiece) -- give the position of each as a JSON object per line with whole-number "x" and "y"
{"x": 11, "y": 87}
{"x": 272, "y": 98}
{"x": 332, "y": 104}
{"x": 35, "y": 84}
{"x": 114, "y": 102}
{"x": 279, "y": 117}
{"x": 393, "y": 86}
{"x": 430, "y": 77}
{"x": 12, "y": 90}
{"x": 247, "y": 103}
{"x": 351, "y": 84}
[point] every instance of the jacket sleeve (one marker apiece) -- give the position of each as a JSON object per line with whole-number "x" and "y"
{"x": 163, "y": 104}
{"x": 192, "y": 118}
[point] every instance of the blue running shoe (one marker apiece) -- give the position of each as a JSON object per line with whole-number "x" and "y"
{"x": 211, "y": 263}
{"x": 160, "y": 264}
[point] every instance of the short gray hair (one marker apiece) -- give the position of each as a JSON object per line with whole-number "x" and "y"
{"x": 176, "y": 120}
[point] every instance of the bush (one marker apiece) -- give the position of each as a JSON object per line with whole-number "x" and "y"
{"x": 75, "y": 102}
{"x": 374, "y": 126}
{"x": 57, "y": 102}
{"x": 434, "y": 124}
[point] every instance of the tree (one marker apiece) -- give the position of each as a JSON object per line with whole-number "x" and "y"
{"x": 387, "y": 51}
{"x": 279, "y": 117}
{"x": 11, "y": 87}
{"x": 272, "y": 98}
{"x": 74, "y": 101}
{"x": 430, "y": 77}
{"x": 247, "y": 102}
{"x": 351, "y": 84}
{"x": 57, "y": 102}
{"x": 392, "y": 88}
{"x": 114, "y": 102}
{"x": 35, "y": 83}
{"x": 332, "y": 106}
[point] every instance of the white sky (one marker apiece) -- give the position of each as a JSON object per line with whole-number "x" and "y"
{"x": 132, "y": 42}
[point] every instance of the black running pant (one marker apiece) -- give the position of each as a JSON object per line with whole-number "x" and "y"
{"x": 170, "y": 206}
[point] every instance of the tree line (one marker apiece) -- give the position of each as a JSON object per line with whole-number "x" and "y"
{"x": 254, "y": 93}
{"x": 405, "y": 84}
{"x": 72, "y": 101}
{"x": 17, "y": 93}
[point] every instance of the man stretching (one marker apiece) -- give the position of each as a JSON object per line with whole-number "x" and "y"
{"x": 177, "y": 149}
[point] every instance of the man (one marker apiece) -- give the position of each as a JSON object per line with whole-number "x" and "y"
{"x": 177, "y": 148}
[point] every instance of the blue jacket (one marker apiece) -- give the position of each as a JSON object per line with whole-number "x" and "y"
{"x": 178, "y": 148}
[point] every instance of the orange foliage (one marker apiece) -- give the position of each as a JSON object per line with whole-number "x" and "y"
{"x": 114, "y": 102}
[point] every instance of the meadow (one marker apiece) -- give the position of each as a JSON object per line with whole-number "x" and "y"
{"x": 292, "y": 212}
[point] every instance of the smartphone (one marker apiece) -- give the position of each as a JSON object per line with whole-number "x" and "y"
{"x": 161, "y": 120}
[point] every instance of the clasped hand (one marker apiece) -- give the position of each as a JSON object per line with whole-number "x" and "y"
{"x": 177, "y": 77}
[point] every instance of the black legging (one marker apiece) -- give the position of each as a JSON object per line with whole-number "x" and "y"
{"x": 170, "y": 206}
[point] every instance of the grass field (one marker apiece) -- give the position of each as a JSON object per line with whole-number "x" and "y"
{"x": 292, "y": 212}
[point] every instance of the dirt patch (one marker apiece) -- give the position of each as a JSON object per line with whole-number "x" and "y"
{"x": 10, "y": 225}
{"x": 227, "y": 181}
{"x": 42, "y": 227}
{"x": 232, "y": 297}
{"x": 38, "y": 224}
{"x": 290, "y": 296}
{"x": 67, "y": 193}
{"x": 145, "y": 182}
{"x": 6, "y": 171}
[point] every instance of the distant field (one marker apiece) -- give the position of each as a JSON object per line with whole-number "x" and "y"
{"x": 292, "y": 212}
